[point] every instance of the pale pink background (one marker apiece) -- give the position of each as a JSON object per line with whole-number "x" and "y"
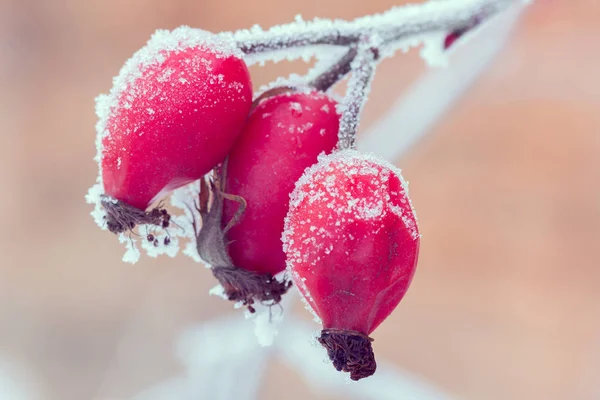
{"x": 506, "y": 301}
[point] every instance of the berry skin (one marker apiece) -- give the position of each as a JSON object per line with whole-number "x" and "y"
{"x": 352, "y": 243}
{"x": 174, "y": 113}
{"x": 283, "y": 136}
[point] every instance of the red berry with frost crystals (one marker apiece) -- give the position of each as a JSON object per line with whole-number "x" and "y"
{"x": 174, "y": 113}
{"x": 283, "y": 136}
{"x": 352, "y": 244}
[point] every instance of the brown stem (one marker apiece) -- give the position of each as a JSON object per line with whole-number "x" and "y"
{"x": 349, "y": 351}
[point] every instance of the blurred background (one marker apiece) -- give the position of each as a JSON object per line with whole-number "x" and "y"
{"x": 505, "y": 303}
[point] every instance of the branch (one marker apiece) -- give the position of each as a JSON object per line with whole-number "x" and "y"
{"x": 335, "y": 73}
{"x": 396, "y": 24}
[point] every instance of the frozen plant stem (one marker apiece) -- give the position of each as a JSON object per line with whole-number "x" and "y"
{"x": 335, "y": 73}
{"x": 397, "y": 24}
{"x": 359, "y": 85}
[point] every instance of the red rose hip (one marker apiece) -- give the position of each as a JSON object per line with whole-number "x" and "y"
{"x": 352, "y": 244}
{"x": 173, "y": 114}
{"x": 284, "y": 135}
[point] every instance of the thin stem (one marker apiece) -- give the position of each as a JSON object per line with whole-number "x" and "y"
{"x": 336, "y": 72}
{"x": 359, "y": 85}
{"x": 394, "y": 25}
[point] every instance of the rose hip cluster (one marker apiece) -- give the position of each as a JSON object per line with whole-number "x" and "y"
{"x": 182, "y": 112}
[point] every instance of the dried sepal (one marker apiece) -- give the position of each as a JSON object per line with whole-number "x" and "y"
{"x": 349, "y": 351}
{"x": 121, "y": 217}
{"x": 239, "y": 285}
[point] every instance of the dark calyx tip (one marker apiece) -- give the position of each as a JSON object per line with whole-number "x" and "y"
{"x": 349, "y": 351}
{"x": 247, "y": 287}
{"x": 122, "y": 217}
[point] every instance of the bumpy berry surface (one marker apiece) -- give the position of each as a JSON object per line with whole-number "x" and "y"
{"x": 283, "y": 136}
{"x": 351, "y": 240}
{"x": 174, "y": 113}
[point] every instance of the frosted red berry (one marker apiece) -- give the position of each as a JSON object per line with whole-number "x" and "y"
{"x": 174, "y": 113}
{"x": 352, "y": 243}
{"x": 283, "y": 136}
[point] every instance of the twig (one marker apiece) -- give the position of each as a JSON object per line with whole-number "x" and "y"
{"x": 359, "y": 85}
{"x": 335, "y": 73}
{"x": 394, "y": 25}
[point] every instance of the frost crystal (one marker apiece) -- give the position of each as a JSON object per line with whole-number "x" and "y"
{"x": 218, "y": 291}
{"x": 132, "y": 253}
{"x": 266, "y": 323}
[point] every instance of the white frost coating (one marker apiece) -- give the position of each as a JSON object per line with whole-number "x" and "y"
{"x": 153, "y": 250}
{"x": 304, "y": 243}
{"x": 153, "y": 53}
{"x": 267, "y": 318}
{"x": 433, "y": 50}
{"x": 186, "y": 199}
{"x": 266, "y": 324}
{"x": 358, "y": 163}
{"x": 132, "y": 253}
{"x": 98, "y": 213}
{"x": 357, "y": 93}
{"x": 326, "y": 58}
{"x": 218, "y": 291}
{"x": 181, "y": 228}
{"x": 400, "y": 22}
